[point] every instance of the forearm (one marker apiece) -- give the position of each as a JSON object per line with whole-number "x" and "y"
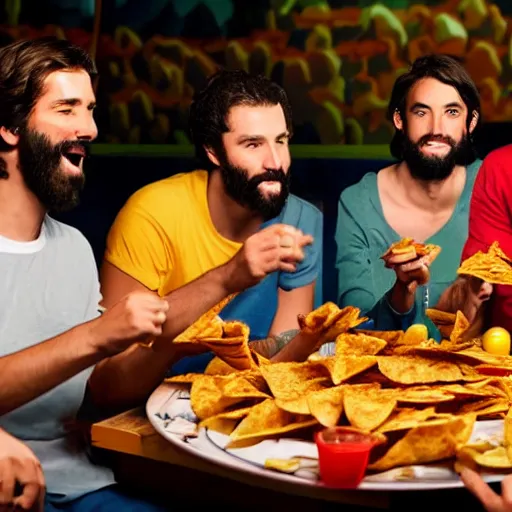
{"x": 386, "y": 318}
{"x": 31, "y": 372}
{"x": 298, "y": 349}
{"x": 401, "y": 297}
{"x": 188, "y": 303}
{"x": 127, "y": 379}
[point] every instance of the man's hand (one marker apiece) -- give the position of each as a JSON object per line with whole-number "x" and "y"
{"x": 410, "y": 273}
{"x": 278, "y": 247}
{"x": 491, "y": 501}
{"x": 19, "y": 465}
{"x": 135, "y": 318}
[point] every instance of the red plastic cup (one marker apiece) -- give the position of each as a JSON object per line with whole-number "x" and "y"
{"x": 343, "y": 455}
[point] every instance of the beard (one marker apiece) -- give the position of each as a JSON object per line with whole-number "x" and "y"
{"x": 436, "y": 168}
{"x": 41, "y": 167}
{"x": 244, "y": 190}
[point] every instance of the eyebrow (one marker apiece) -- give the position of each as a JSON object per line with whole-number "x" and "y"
{"x": 71, "y": 102}
{"x": 259, "y": 138}
{"x": 426, "y": 107}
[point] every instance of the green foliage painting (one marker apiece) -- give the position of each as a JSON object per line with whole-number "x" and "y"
{"x": 337, "y": 59}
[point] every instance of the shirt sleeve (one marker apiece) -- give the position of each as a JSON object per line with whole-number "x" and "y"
{"x": 355, "y": 275}
{"x": 138, "y": 245}
{"x": 310, "y": 269}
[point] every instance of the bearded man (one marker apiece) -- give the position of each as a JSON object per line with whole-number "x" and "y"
{"x": 177, "y": 237}
{"x": 435, "y": 107}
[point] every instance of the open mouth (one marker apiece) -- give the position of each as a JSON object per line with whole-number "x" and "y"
{"x": 74, "y": 155}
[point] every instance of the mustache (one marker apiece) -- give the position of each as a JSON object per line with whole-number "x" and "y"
{"x": 431, "y": 137}
{"x": 269, "y": 175}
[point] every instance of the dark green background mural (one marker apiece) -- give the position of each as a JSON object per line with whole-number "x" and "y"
{"x": 337, "y": 59}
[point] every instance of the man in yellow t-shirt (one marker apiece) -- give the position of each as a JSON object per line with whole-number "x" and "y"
{"x": 176, "y": 236}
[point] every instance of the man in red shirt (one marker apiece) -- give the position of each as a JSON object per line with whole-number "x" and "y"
{"x": 490, "y": 219}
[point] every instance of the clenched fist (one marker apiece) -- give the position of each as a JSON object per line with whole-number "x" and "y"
{"x": 19, "y": 466}
{"x": 135, "y": 318}
{"x": 277, "y": 247}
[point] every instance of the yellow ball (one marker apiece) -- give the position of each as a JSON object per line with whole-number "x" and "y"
{"x": 415, "y": 334}
{"x": 496, "y": 340}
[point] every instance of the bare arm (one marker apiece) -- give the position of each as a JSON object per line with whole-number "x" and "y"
{"x": 186, "y": 304}
{"x": 48, "y": 364}
{"x": 278, "y": 346}
{"x": 289, "y": 305}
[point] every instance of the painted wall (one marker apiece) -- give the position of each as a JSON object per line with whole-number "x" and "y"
{"x": 337, "y": 59}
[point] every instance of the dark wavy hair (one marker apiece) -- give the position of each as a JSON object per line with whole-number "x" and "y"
{"x": 224, "y": 90}
{"x": 446, "y": 69}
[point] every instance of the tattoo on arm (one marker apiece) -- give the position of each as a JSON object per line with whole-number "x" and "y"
{"x": 270, "y": 346}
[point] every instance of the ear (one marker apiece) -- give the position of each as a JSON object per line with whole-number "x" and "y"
{"x": 10, "y": 136}
{"x": 212, "y": 157}
{"x": 397, "y": 120}
{"x": 474, "y": 121}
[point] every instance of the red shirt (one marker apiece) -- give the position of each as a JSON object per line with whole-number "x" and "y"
{"x": 490, "y": 219}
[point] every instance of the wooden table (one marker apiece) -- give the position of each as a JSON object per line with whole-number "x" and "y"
{"x": 145, "y": 459}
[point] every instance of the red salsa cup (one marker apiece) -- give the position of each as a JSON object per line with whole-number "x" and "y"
{"x": 343, "y": 454}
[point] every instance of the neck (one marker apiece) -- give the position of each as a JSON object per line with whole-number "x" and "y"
{"x": 230, "y": 219}
{"x": 21, "y": 213}
{"x": 431, "y": 195}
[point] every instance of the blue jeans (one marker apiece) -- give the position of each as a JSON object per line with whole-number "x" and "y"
{"x": 109, "y": 499}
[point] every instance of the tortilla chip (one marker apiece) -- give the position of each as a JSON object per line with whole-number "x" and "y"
{"x": 226, "y": 421}
{"x": 297, "y": 402}
{"x": 459, "y": 329}
{"x": 218, "y": 367}
{"x": 434, "y": 441}
{"x": 342, "y": 368}
{"x": 423, "y": 370}
{"x": 326, "y": 405}
{"x": 358, "y": 345}
{"x": 486, "y": 407}
{"x": 406, "y": 419}
{"x": 233, "y": 346}
{"x": 439, "y": 317}
{"x": 207, "y": 325}
{"x": 213, "y": 394}
{"x": 390, "y": 337}
{"x": 266, "y": 420}
{"x": 496, "y": 458}
{"x": 424, "y": 395}
{"x": 507, "y": 433}
{"x": 329, "y": 321}
{"x": 288, "y": 381}
{"x": 367, "y": 406}
{"x": 494, "y": 266}
{"x": 187, "y": 378}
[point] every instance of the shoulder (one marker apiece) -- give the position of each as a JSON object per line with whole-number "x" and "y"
{"x": 497, "y": 158}
{"x": 366, "y": 185}
{"x": 169, "y": 191}
{"x": 302, "y": 208}
{"x": 67, "y": 238}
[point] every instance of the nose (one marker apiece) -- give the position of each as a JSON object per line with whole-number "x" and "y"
{"x": 437, "y": 123}
{"x": 273, "y": 158}
{"x": 87, "y": 129}
{"x": 485, "y": 291}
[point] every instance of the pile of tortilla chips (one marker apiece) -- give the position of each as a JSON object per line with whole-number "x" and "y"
{"x": 420, "y": 397}
{"x": 493, "y": 266}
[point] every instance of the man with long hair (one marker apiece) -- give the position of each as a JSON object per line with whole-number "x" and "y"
{"x": 425, "y": 195}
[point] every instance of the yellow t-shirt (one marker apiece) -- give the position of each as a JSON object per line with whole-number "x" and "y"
{"x": 164, "y": 236}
